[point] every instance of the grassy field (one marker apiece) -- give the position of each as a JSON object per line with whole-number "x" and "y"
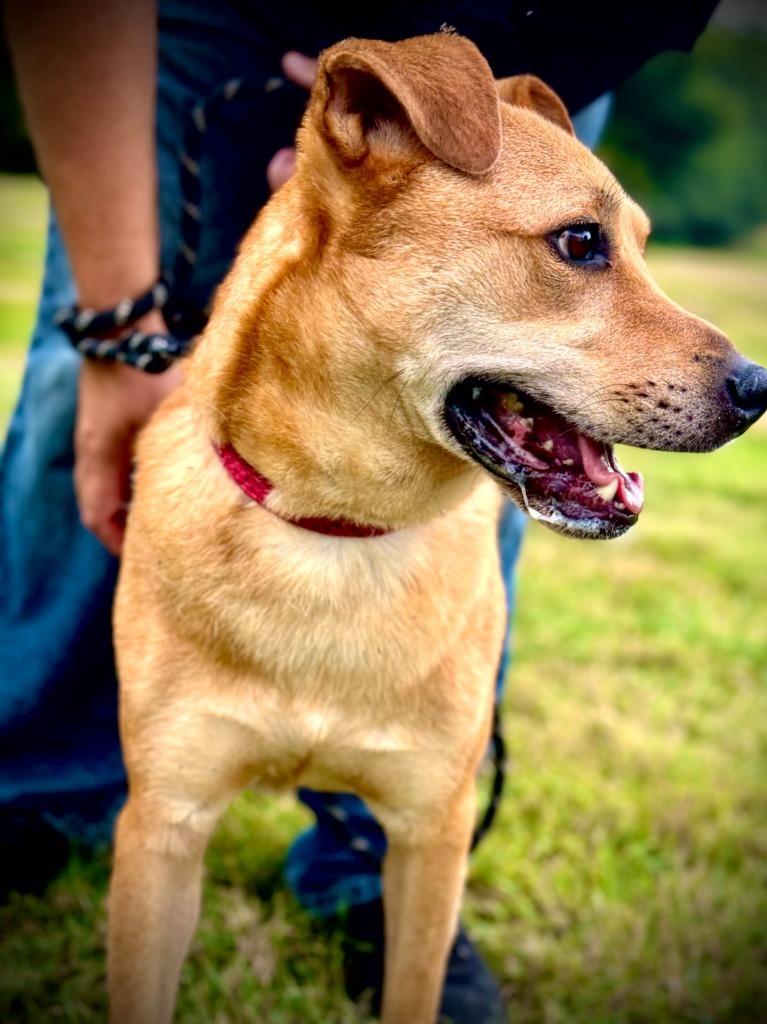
{"x": 22, "y": 244}
{"x": 626, "y": 879}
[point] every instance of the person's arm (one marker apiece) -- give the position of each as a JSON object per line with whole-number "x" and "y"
{"x": 86, "y": 71}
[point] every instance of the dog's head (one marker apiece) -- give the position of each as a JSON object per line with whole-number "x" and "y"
{"x": 480, "y": 264}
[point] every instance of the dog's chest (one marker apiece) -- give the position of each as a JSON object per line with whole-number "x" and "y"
{"x": 342, "y": 657}
{"x": 333, "y": 613}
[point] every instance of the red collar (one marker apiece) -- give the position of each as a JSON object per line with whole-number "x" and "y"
{"x": 258, "y": 489}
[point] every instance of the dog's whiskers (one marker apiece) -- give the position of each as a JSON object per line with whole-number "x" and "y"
{"x": 397, "y": 401}
{"x": 597, "y": 397}
{"x": 377, "y": 391}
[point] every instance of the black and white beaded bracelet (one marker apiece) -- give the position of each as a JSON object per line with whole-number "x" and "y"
{"x": 92, "y": 333}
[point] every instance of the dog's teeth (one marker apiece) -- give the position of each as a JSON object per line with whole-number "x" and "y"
{"x": 528, "y": 421}
{"x": 608, "y": 491}
{"x": 568, "y": 462}
{"x": 548, "y": 445}
{"x": 511, "y": 402}
{"x": 619, "y": 505}
{"x": 476, "y": 392}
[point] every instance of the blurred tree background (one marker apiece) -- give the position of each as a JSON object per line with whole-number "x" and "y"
{"x": 687, "y": 139}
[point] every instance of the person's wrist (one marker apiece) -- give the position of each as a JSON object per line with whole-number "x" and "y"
{"x": 105, "y": 291}
{"x": 133, "y": 332}
{"x": 90, "y": 321}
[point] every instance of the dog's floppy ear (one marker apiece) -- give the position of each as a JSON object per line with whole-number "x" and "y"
{"x": 438, "y": 86}
{"x": 529, "y": 91}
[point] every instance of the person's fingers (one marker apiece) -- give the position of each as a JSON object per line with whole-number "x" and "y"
{"x": 299, "y": 68}
{"x": 280, "y": 167}
{"x": 114, "y": 402}
{"x": 102, "y": 478}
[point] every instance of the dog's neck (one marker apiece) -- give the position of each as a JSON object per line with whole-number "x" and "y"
{"x": 258, "y": 489}
{"x": 282, "y": 375}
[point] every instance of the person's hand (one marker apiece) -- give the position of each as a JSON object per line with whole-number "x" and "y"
{"x": 299, "y": 69}
{"x": 114, "y": 402}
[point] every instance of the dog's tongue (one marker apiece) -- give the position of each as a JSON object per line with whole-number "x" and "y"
{"x": 601, "y": 467}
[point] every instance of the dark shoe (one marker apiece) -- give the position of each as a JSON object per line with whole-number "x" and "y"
{"x": 471, "y": 994}
{"x": 32, "y": 853}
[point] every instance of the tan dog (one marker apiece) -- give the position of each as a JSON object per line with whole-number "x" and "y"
{"x": 449, "y": 279}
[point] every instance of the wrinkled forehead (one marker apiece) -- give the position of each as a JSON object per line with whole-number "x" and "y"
{"x": 545, "y": 178}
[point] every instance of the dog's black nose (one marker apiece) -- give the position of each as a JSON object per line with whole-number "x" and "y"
{"x": 747, "y": 388}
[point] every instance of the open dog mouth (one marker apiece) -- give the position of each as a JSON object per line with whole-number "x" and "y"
{"x": 550, "y": 469}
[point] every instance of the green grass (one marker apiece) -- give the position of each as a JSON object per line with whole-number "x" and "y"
{"x": 22, "y": 245}
{"x": 626, "y": 879}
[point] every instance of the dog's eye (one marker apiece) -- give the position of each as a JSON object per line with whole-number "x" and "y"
{"x": 579, "y": 243}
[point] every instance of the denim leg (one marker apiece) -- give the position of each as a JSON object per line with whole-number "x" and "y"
{"x": 591, "y": 122}
{"x": 57, "y": 684}
{"x": 510, "y": 532}
{"x": 336, "y": 863}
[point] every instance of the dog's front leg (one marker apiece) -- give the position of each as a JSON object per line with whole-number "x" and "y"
{"x": 154, "y": 902}
{"x": 424, "y": 876}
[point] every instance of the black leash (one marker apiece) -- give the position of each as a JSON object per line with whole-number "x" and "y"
{"x": 500, "y": 765}
{"x": 92, "y": 334}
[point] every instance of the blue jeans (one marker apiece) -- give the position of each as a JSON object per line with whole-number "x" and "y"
{"x": 59, "y": 749}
